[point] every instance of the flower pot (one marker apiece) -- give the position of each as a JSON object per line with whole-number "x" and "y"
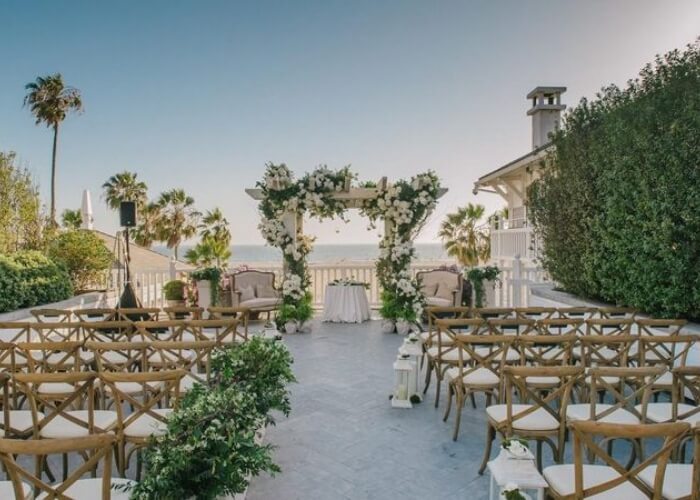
{"x": 305, "y": 327}
{"x": 204, "y": 294}
{"x": 388, "y": 326}
{"x": 290, "y": 327}
{"x": 176, "y": 303}
{"x": 403, "y": 327}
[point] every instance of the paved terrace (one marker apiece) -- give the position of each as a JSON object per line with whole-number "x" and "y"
{"x": 345, "y": 441}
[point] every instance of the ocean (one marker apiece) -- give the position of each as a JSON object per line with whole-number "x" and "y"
{"x": 244, "y": 254}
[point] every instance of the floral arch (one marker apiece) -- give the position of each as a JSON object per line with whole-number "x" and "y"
{"x": 404, "y": 206}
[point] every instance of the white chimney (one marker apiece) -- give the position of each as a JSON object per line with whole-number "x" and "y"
{"x": 86, "y": 210}
{"x": 546, "y": 113}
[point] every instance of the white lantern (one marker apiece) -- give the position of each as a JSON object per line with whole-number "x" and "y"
{"x": 412, "y": 348}
{"x": 404, "y": 370}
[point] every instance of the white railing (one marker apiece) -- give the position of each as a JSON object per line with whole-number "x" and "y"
{"x": 148, "y": 285}
{"x": 323, "y": 273}
{"x": 509, "y": 243}
{"x": 517, "y": 275}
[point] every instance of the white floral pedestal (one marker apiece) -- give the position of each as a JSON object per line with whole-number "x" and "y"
{"x": 204, "y": 294}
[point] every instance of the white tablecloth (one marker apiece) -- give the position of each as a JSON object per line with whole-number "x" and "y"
{"x": 346, "y": 304}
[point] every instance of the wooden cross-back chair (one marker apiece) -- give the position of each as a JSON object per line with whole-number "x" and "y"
{"x": 96, "y": 314}
{"x": 614, "y": 312}
{"x": 667, "y": 351}
{"x": 539, "y": 416}
{"x": 23, "y": 484}
{"x": 512, "y": 326}
{"x": 575, "y": 312}
{"x": 71, "y": 416}
{"x": 222, "y": 331}
{"x": 52, "y": 315}
{"x": 108, "y": 331}
{"x": 137, "y": 313}
{"x": 429, "y": 343}
{"x": 660, "y": 327}
{"x": 536, "y": 313}
{"x": 546, "y": 350}
{"x": 685, "y": 399}
{"x": 183, "y": 312}
{"x": 193, "y": 357}
{"x": 16, "y": 422}
{"x": 160, "y": 330}
{"x": 612, "y": 479}
{"x": 150, "y": 408}
{"x": 242, "y": 314}
{"x": 609, "y": 326}
{"x": 62, "y": 331}
{"x": 493, "y": 312}
{"x": 51, "y": 357}
{"x": 603, "y": 351}
{"x": 560, "y": 326}
{"x": 481, "y": 359}
{"x": 443, "y": 354}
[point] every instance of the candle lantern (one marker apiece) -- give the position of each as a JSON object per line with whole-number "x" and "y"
{"x": 412, "y": 348}
{"x": 404, "y": 370}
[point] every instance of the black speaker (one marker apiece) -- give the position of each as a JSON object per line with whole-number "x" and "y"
{"x": 127, "y": 214}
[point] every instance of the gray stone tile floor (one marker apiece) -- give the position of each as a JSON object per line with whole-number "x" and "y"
{"x": 343, "y": 439}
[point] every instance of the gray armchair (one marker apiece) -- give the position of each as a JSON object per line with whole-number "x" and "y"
{"x": 255, "y": 290}
{"x": 442, "y": 288}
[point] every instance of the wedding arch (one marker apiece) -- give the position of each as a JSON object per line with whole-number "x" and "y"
{"x": 404, "y": 207}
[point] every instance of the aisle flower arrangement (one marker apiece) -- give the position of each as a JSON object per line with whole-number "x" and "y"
{"x": 405, "y": 205}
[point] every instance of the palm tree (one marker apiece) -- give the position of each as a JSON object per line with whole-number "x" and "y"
{"x": 147, "y": 230}
{"x": 72, "y": 219}
{"x": 50, "y": 101}
{"x": 463, "y": 237}
{"x": 215, "y": 226}
{"x": 179, "y": 219}
{"x": 124, "y": 186}
{"x": 209, "y": 252}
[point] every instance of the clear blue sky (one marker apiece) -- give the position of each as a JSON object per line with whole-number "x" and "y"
{"x": 200, "y": 95}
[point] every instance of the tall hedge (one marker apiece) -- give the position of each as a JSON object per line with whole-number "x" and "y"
{"x": 29, "y": 278}
{"x": 618, "y": 204}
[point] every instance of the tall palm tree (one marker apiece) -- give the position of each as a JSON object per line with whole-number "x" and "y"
{"x": 72, "y": 219}
{"x": 50, "y": 100}
{"x": 215, "y": 226}
{"x": 124, "y": 186}
{"x": 179, "y": 219}
{"x": 147, "y": 230}
{"x": 209, "y": 252}
{"x": 463, "y": 237}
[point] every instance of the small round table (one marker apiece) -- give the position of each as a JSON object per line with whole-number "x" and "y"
{"x": 345, "y": 304}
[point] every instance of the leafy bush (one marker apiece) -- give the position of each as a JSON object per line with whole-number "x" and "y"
{"x": 29, "y": 278}
{"x": 617, "y": 206}
{"x": 85, "y": 256}
{"x": 174, "y": 290}
{"x": 210, "y": 446}
{"x": 301, "y": 312}
{"x": 477, "y": 276}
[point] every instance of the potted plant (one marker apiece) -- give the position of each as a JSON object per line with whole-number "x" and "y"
{"x": 174, "y": 291}
{"x": 511, "y": 491}
{"x": 389, "y": 312}
{"x": 286, "y": 318}
{"x": 477, "y": 276}
{"x": 207, "y": 282}
{"x": 517, "y": 448}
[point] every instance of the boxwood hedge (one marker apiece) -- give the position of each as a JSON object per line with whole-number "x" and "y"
{"x": 618, "y": 204}
{"x": 29, "y": 278}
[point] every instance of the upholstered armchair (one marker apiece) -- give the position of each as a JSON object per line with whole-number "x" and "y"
{"x": 255, "y": 290}
{"x": 441, "y": 287}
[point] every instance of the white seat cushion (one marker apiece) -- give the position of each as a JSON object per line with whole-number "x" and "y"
{"x": 445, "y": 338}
{"x": 539, "y": 420}
{"x": 438, "y": 302}
{"x": 609, "y": 380}
{"x": 582, "y": 412}
{"x": 561, "y": 480}
{"x": 90, "y": 489}
{"x": 56, "y": 388}
{"x": 543, "y": 381}
{"x": 678, "y": 479}
{"x": 146, "y": 425}
{"x": 665, "y": 380}
{"x": 21, "y": 420}
{"x": 662, "y": 412}
{"x": 7, "y": 490}
{"x": 480, "y": 376}
{"x": 160, "y": 357}
{"x": 61, "y": 427}
{"x": 511, "y": 355}
{"x": 262, "y": 303}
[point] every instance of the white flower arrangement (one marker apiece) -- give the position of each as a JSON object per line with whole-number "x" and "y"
{"x": 291, "y": 287}
{"x": 516, "y": 447}
{"x": 511, "y": 491}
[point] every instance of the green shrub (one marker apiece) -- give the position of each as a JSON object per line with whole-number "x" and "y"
{"x": 617, "y": 206}
{"x": 29, "y": 278}
{"x": 174, "y": 290}
{"x": 210, "y": 447}
{"x": 85, "y": 256}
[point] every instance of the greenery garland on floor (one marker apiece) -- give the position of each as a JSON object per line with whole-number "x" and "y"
{"x": 211, "y": 446}
{"x": 405, "y": 205}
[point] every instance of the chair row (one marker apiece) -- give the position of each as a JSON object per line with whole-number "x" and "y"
{"x": 220, "y": 330}
{"x": 138, "y": 314}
